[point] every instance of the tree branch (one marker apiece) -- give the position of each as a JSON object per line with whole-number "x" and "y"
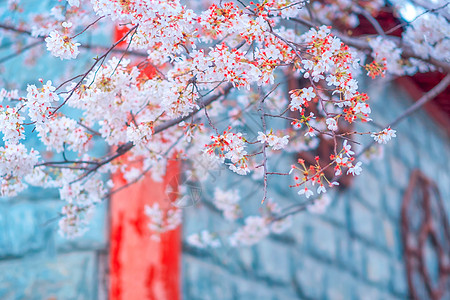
{"x": 128, "y": 146}
{"x": 363, "y": 44}
{"x": 430, "y": 95}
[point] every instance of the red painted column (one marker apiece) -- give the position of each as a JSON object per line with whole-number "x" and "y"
{"x": 141, "y": 268}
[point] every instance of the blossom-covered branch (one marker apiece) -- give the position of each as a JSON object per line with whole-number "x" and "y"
{"x": 229, "y": 61}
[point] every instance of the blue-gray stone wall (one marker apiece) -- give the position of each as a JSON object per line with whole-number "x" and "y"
{"x": 35, "y": 262}
{"x": 353, "y": 251}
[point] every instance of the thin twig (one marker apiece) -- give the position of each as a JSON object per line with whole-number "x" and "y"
{"x": 441, "y": 86}
{"x": 371, "y": 19}
{"x": 92, "y": 67}
{"x": 404, "y": 23}
{"x": 128, "y": 146}
{"x": 430, "y": 95}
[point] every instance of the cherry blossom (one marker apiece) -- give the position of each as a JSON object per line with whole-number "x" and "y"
{"x": 319, "y": 205}
{"x": 8, "y": 95}
{"x": 227, "y": 201}
{"x": 15, "y": 163}
{"x": 75, "y": 220}
{"x": 384, "y": 136}
{"x": 62, "y": 46}
{"x": 273, "y": 141}
{"x": 254, "y": 230}
{"x": 305, "y": 191}
{"x": 206, "y": 88}
{"x": 428, "y": 36}
{"x": 40, "y": 100}
{"x": 162, "y": 220}
{"x": 74, "y": 2}
{"x": 11, "y": 125}
{"x": 332, "y": 124}
{"x": 203, "y": 239}
{"x": 229, "y": 146}
{"x": 355, "y": 169}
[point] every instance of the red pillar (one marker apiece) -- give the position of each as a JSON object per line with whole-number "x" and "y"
{"x": 141, "y": 268}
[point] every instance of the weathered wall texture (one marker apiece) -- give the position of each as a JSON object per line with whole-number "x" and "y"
{"x": 36, "y": 263}
{"x": 353, "y": 251}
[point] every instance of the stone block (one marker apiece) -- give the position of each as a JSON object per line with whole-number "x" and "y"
{"x": 406, "y": 150}
{"x": 299, "y": 232}
{"x": 283, "y": 294}
{"x": 362, "y": 220}
{"x": 228, "y": 259}
{"x": 419, "y": 136}
{"x": 339, "y": 284}
{"x": 66, "y": 276}
{"x": 358, "y": 253}
{"x": 399, "y": 283}
{"x": 246, "y": 258}
{"x": 370, "y": 190}
{"x": 367, "y": 292}
{"x": 337, "y": 212}
{"x": 246, "y": 289}
{"x": 31, "y": 226}
{"x": 322, "y": 239}
{"x": 440, "y": 150}
{"x": 310, "y": 275}
{"x": 398, "y": 243}
{"x": 379, "y": 168}
{"x": 404, "y": 130}
{"x": 393, "y": 201}
{"x": 400, "y": 174}
{"x": 256, "y": 290}
{"x": 273, "y": 261}
{"x": 203, "y": 280}
{"x": 386, "y": 234}
{"x": 26, "y": 226}
{"x": 195, "y": 219}
{"x": 378, "y": 267}
{"x": 345, "y": 258}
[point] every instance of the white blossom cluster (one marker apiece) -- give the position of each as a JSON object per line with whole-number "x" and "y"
{"x": 324, "y": 65}
{"x": 40, "y": 101}
{"x": 386, "y": 52}
{"x": 429, "y": 37}
{"x": 167, "y": 103}
{"x": 163, "y": 25}
{"x": 227, "y": 202}
{"x": 319, "y": 205}
{"x": 74, "y": 221}
{"x": 12, "y": 128}
{"x": 256, "y": 228}
{"x": 384, "y": 136}
{"x": 162, "y": 220}
{"x": 62, "y": 46}
{"x": 56, "y": 133}
{"x": 273, "y": 141}
{"x": 204, "y": 239}
{"x": 15, "y": 163}
{"x": 229, "y": 146}
{"x": 8, "y": 95}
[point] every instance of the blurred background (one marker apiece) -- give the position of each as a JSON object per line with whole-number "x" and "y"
{"x": 384, "y": 235}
